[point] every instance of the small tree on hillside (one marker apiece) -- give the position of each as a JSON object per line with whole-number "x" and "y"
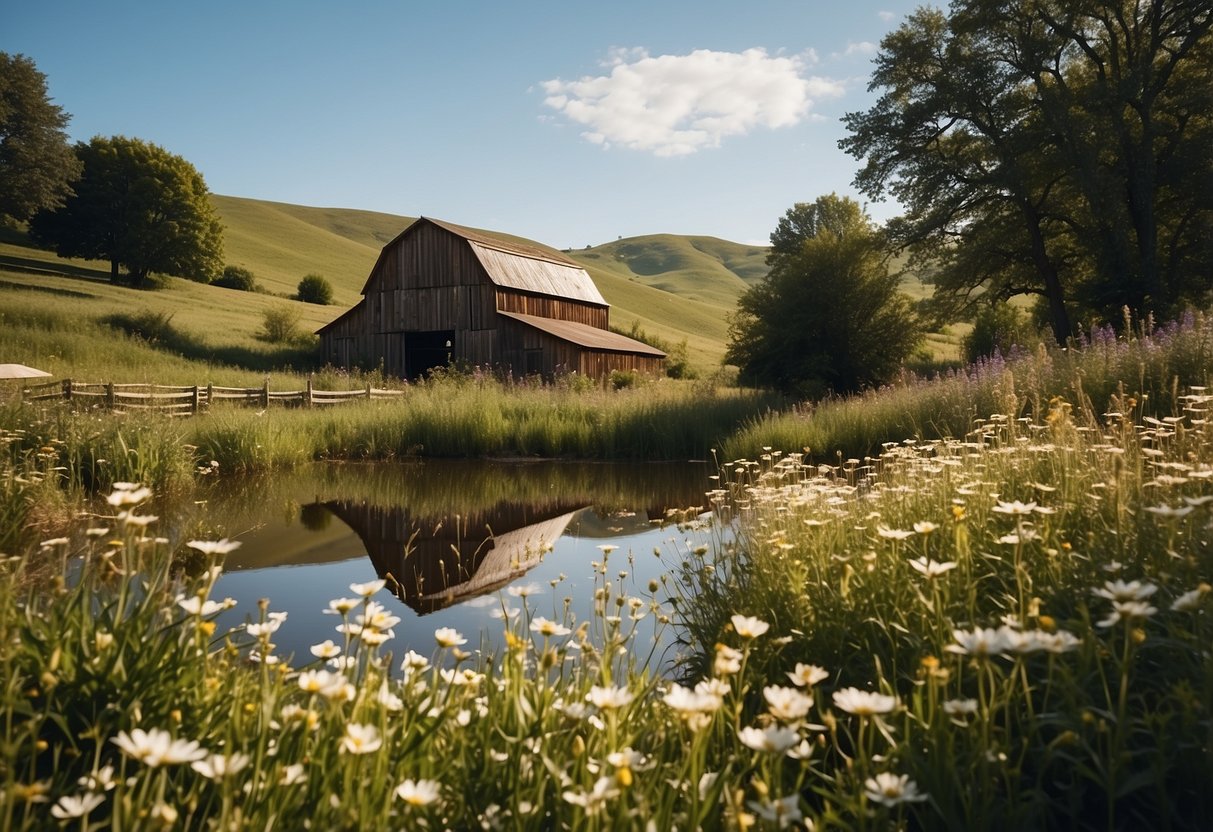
{"x": 236, "y": 277}
{"x": 138, "y": 206}
{"x": 315, "y": 289}
{"x": 829, "y": 316}
{"x": 37, "y": 164}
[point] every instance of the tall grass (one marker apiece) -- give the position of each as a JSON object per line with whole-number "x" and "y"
{"x": 1143, "y": 364}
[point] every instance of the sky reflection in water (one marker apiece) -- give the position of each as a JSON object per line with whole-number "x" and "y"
{"x": 456, "y": 534}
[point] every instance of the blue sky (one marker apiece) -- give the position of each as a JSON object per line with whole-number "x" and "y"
{"x": 570, "y": 123}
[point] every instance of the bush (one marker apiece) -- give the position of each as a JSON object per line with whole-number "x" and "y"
{"x": 280, "y": 324}
{"x": 315, "y": 289}
{"x": 998, "y": 328}
{"x": 156, "y": 328}
{"x": 237, "y": 277}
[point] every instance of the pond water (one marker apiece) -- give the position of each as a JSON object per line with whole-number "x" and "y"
{"x": 461, "y": 540}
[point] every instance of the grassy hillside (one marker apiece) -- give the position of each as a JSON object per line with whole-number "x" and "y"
{"x": 55, "y": 310}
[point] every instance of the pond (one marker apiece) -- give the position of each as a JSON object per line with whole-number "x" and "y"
{"x": 458, "y": 541}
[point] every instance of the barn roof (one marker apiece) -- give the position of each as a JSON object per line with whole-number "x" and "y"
{"x": 586, "y": 336}
{"x": 517, "y": 265}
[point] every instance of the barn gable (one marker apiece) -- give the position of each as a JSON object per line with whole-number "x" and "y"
{"x": 440, "y": 292}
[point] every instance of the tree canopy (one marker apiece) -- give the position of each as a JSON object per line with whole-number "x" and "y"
{"x": 1049, "y": 147}
{"x": 829, "y": 316}
{"x": 138, "y": 206}
{"x": 37, "y": 164}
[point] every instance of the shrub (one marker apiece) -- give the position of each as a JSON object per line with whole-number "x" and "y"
{"x": 621, "y": 379}
{"x": 315, "y": 289}
{"x": 280, "y": 324}
{"x": 156, "y": 328}
{"x": 237, "y": 277}
{"x": 998, "y": 328}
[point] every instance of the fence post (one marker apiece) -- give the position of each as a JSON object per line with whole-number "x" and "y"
{"x": 67, "y": 389}
{"x": 368, "y": 391}
{"x": 265, "y": 393}
{"x": 194, "y": 401}
{"x": 210, "y": 394}
{"x": 109, "y": 395}
{"x": 307, "y": 396}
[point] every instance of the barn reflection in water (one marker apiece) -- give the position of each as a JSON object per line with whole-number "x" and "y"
{"x": 433, "y": 562}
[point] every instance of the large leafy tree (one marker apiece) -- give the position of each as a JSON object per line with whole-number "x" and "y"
{"x": 829, "y": 316}
{"x": 1054, "y": 147}
{"x": 138, "y": 206}
{"x": 37, "y": 164}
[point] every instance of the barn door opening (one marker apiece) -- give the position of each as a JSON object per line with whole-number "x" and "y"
{"x": 423, "y": 351}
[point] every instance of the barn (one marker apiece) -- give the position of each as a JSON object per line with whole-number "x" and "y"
{"x": 442, "y": 293}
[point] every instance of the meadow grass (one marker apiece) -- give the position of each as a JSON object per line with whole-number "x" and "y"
{"x": 1005, "y": 631}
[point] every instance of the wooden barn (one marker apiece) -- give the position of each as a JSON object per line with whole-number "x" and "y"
{"x": 441, "y": 293}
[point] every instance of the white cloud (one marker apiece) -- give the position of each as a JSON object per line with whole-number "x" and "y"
{"x": 887, "y": 17}
{"x": 674, "y": 105}
{"x": 862, "y": 48}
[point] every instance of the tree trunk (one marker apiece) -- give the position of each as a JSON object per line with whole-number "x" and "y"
{"x": 1059, "y": 318}
{"x": 114, "y": 277}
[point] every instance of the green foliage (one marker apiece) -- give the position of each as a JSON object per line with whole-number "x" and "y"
{"x": 236, "y": 277}
{"x": 1051, "y": 148}
{"x": 280, "y": 324}
{"x": 622, "y": 379}
{"x": 677, "y": 362}
{"x": 37, "y": 165}
{"x": 139, "y": 206}
{"x": 155, "y": 328}
{"x": 998, "y": 327}
{"x": 313, "y": 288}
{"x": 830, "y": 316}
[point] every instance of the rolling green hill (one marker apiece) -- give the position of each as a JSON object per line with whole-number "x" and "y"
{"x": 679, "y": 288}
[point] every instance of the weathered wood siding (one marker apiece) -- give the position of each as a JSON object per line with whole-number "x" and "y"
{"x": 430, "y": 280}
{"x": 549, "y": 307}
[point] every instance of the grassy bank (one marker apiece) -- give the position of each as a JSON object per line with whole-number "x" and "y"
{"x": 1140, "y": 371}
{"x": 1009, "y": 630}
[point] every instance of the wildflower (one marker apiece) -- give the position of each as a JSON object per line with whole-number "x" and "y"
{"x": 297, "y": 713}
{"x": 706, "y": 782}
{"x": 1119, "y": 590}
{"x": 414, "y": 661}
{"x": 783, "y": 811}
{"x": 419, "y": 792}
{"x": 367, "y": 589}
{"x": 449, "y": 637}
{"x": 196, "y": 606}
{"x": 340, "y": 606}
{"x": 524, "y": 590}
{"x": 1059, "y": 642}
{"x": 129, "y": 496}
{"x": 101, "y": 780}
{"x": 218, "y": 766}
{"x": 1190, "y": 601}
{"x": 891, "y": 789}
{"x": 609, "y": 698}
{"x": 35, "y": 792}
{"x": 864, "y": 703}
{"x": 893, "y": 534}
{"x": 165, "y": 814}
{"x": 774, "y": 739}
{"x": 314, "y": 681}
{"x": 1127, "y": 611}
{"x": 547, "y": 628}
{"x": 1015, "y": 508}
{"x": 70, "y": 806}
{"x": 378, "y": 617}
{"x": 594, "y": 800}
{"x": 981, "y": 642}
{"x": 807, "y": 675}
{"x": 688, "y": 703}
{"x": 786, "y": 704}
{"x": 727, "y": 662}
{"x": 389, "y": 700}
{"x": 102, "y": 639}
{"x": 360, "y": 739}
{"x": 925, "y": 527}
{"x": 214, "y": 547}
{"x": 960, "y": 708}
{"x": 931, "y": 568}
{"x": 464, "y": 677}
{"x": 749, "y": 627}
{"x": 325, "y": 649}
{"x": 156, "y": 747}
{"x": 265, "y": 628}
{"x": 292, "y": 775}
{"x": 1168, "y": 512}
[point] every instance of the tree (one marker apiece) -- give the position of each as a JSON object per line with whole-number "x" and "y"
{"x": 238, "y": 278}
{"x": 315, "y": 289}
{"x": 138, "y": 206}
{"x": 37, "y": 164}
{"x": 829, "y": 316}
{"x": 1055, "y": 147}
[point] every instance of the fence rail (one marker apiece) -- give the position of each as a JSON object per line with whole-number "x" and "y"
{"x": 188, "y": 400}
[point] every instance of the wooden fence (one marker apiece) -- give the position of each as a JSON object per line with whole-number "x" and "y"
{"x": 185, "y": 400}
